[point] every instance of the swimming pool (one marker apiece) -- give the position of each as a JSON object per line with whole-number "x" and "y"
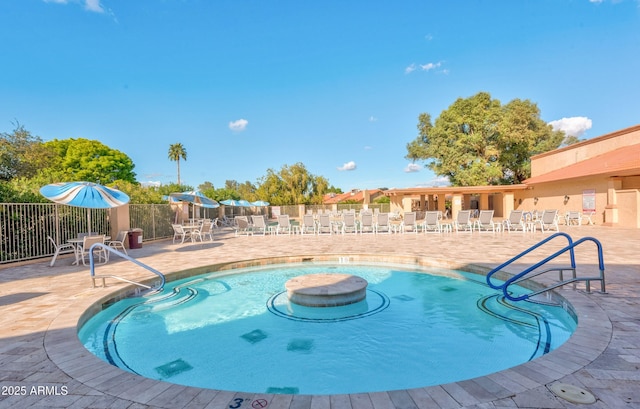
{"x": 235, "y": 330}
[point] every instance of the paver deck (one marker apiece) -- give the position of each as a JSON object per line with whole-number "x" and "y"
{"x": 42, "y": 363}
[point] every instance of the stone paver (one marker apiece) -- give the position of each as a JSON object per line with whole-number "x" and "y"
{"x": 43, "y": 364}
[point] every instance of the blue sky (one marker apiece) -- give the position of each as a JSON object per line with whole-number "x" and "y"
{"x": 337, "y": 85}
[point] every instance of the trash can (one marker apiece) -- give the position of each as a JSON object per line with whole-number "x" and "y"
{"x": 135, "y": 239}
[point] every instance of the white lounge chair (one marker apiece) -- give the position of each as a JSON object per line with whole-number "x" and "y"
{"x": 573, "y": 217}
{"x": 515, "y": 222}
{"x": 366, "y": 223}
{"x": 463, "y": 221}
{"x": 308, "y": 224}
{"x": 432, "y": 222}
{"x": 324, "y": 224}
{"x": 409, "y": 222}
{"x": 484, "y": 222}
{"x": 242, "y": 226}
{"x": 349, "y": 223}
{"x": 549, "y": 221}
{"x": 284, "y": 224}
{"x": 259, "y": 225}
{"x": 63, "y": 248}
{"x": 382, "y": 223}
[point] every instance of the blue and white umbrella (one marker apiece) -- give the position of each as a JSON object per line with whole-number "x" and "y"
{"x": 260, "y": 203}
{"x": 195, "y": 197}
{"x": 237, "y": 203}
{"x": 84, "y": 194}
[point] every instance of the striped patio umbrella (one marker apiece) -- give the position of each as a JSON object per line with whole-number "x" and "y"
{"x": 195, "y": 197}
{"x": 260, "y": 203}
{"x": 84, "y": 194}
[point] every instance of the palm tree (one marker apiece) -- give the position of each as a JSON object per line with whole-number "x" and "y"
{"x": 177, "y": 151}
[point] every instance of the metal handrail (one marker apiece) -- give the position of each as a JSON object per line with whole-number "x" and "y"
{"x": 520, "y": 276}
{"x": 125, "y": 256}
{"x": 527, "y": 251}
{"x": 525, "y": 274}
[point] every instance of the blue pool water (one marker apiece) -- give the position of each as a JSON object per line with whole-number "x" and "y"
{"x": 235, "y": 330}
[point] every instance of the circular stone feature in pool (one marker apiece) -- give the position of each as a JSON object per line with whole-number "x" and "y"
{"x": 326, "y": 289}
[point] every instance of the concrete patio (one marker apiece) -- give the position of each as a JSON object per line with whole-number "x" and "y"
{"x": 44, "y": 365}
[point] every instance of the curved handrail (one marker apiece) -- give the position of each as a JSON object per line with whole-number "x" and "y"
{"x": 112, "y": 250}
{"x": 570, "y": 248}
{"x": 527, "y": 251}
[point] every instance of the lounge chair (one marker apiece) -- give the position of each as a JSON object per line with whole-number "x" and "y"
{"x": 242, "y": 226}
{"x": 382, "y": 223}
{"x": 549, "y": 220}
{"x": 463, "y": 221}
{"x": 432, "y": 222}
{"x": 308, "y": 224}
{"x": 118, "y": 242}
{"x": 349, "y": 223}
{"x": 515, "y": 222}
{"x": 366, "y": 223}
{"x": 324, "y": 224}
{"x": 85, "y": 250}
{"x": 284, "y": 224}
{"x": 409, "y": 222}
{"x": 485, "y": 222}
{"x": 63, "y": 248}
{"x": 573, "y": 218}
{"x": 259, "y": 225}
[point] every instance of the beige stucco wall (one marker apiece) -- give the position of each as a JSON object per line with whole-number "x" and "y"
{"x": 628, "y": 208}
{"x": 560, "y": 158}
{"x": 552, "y": 196}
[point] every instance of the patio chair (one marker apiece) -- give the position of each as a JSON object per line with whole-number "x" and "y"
{"x": 382, "y": 223}
{"x": 409, "y": 222}
{"x": 64, "y": 248}
{"x": 284, "y": 224}
{"x": 463, "y": 221}
{"x": 432, "y": 222}
{"x": 308, "y": 224}
{"x": 366, "y": 223}
{"x": 515, "y": 222}
{"x": 242, "y": 226}
{"x": 549, "y": 220}
{"x": 118, "y": 242}
{"x": 179, "y": 233}
{"x": 324, "y": 224}
{"x": 259, "y": 225}
{"x": 206, "y": 231}
{"x": 485, "y": 222}
{"x": 85, "y": 250}
{"x": 349, "y": 223}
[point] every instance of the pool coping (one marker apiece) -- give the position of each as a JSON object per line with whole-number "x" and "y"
{"x": 589, "y": 341}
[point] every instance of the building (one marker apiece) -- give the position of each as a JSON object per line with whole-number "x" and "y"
{"x": 353, "y": 196}
{"x": 600, "y": 176}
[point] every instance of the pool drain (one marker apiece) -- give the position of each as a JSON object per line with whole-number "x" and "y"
{"x": 572, "y": 393}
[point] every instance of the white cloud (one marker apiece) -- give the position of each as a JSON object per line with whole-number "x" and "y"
{"x": 239, "y": 125}
{"x": 574, "y": 126}
{"x": 430, "y": 66}
{"x": 410, "y": 69}
{"x": 368, "y": 148}
{"x": 412, "y": 167}
{"x": 435, "y": 182}
{"x": 428, "y": 37}
{"x": 347, "y": 166}
{"x": 151, "y": 183}
{"x": 93, "y": 5}
{"x": 373, "y": 119}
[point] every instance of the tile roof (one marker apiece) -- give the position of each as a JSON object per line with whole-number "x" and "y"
{"x": 620, "y": 162}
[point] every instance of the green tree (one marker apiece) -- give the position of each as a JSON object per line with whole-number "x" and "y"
{"x": 477, "y": 141}
{"x": 292, "y": 185}
{"x": 22, "y": 154}
{"x": 88, "y": 160}
{"x": 177, "y": 151}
